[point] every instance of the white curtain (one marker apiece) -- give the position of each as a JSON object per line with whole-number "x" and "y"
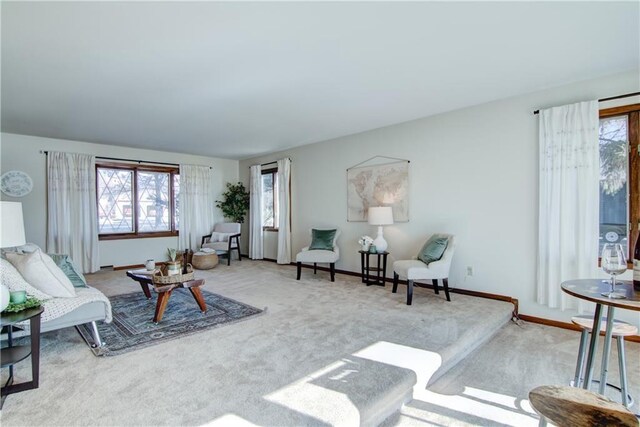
{"x": 284, "y": 214}
{"x": 568, "y": 200}
{"x": 256, "y": 233}
{"x": 197, "y": 204}
{"x": 72, "y": 213}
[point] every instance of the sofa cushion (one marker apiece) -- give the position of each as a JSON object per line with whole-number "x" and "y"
{"x": 70, "y": 270}
{"x": 41, "y": 272}
{"x": 13, "y": 280}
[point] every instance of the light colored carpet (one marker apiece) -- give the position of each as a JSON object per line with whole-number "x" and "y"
{"x": 491, "y": 386}
{"x": 295, "y": 365}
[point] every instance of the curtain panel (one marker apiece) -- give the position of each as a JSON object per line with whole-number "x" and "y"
{"x": 197, "y": 204}
{"x": 256, "y": 233}
{"x": 568, "y": 200}
{"x": 284, "y": 211}
{"x": 72, "y": 213}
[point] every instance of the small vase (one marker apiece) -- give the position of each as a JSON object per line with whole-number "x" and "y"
{"x": 365, "y": 247}
{"x": 173, "y": 268}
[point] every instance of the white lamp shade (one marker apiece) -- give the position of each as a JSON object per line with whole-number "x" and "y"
{"x": 11, "y": 225}
{"x": 382, "y": 215}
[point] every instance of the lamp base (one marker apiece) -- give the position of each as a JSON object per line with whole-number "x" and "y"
{"x": 379, "y": 242}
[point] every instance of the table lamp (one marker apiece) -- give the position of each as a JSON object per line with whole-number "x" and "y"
{"x": 382, "y": 215}
{"x": 11, "y": 234}
{"x": 11, "y": 225}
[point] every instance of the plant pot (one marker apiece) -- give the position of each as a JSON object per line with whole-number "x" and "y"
{"x": 365, "y": 247}
{"x": 174, "y": 267}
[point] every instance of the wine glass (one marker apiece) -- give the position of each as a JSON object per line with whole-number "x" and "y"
{"x": 614, "y": 262}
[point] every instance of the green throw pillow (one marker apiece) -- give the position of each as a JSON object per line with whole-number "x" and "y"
{"x": 70, "y": 270}
{"x": 322, "y": 240}
{"x": 433, "y": 249}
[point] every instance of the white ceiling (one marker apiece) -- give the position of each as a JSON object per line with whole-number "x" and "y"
{"x": 236, "y": 80}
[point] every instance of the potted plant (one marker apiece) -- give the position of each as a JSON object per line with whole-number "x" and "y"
{"x": 173, "y": 266}
{"x": 235, "y": 202}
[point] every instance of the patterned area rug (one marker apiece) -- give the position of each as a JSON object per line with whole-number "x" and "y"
{"x": 132, "y": 327}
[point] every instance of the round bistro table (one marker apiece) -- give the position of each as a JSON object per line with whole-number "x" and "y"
{"x": 591, "y": 290}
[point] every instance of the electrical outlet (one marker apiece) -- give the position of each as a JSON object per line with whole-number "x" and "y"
{"x": 469, "y": 271}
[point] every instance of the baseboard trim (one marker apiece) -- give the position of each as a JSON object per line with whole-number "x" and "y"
{"x": 498, "y": 297}
{"x": 565, "y": 325}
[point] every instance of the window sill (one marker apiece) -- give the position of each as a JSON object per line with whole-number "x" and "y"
{"x": 271, "y": 229}
{"x": 137, "y": 236}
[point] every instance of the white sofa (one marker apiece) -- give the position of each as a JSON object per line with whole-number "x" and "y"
{"x": 88, "y": 306}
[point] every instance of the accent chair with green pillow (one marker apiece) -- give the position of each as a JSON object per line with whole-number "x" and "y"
{"x": 432, "y": 264}
{"x": 323, "y": 249}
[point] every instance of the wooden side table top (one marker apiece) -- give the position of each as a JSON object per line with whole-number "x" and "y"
{"x": 571, "y": 406}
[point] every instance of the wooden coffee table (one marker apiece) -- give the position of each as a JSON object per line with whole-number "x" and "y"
{"x": 164, "y": 292}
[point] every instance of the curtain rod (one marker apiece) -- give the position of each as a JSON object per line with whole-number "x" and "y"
{"x": 130, "y": 160}
{"x": 270, "y": 163}
{"x": 611, "y": 98}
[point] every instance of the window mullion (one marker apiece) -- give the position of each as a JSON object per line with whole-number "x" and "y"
{"x": 135, "y": 201}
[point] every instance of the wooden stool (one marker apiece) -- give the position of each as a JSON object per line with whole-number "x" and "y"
{"x": 204, "y": 261}
{"x": 577, "y": 407}
{"x": 620, "y": 330}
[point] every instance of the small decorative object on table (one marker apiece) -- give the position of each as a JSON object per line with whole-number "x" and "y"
{"x": 18, "y": 297}
{"x": 373, "y": 249}
{"x": 150, "y": 265}
{"x": 162, "y": 276}
{"x": 173, "y": 266}
{"x": 27, "y": 302}
{"x": 365, "y": 242}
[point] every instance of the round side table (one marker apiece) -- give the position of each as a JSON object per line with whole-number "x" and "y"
{"x": 14, "y": 354}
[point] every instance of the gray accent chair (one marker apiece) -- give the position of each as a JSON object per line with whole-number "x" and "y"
{"x": 224, "y": 239}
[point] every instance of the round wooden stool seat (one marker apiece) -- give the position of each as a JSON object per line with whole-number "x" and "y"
{"x": 620, "y": 328}
{"x": 576, "y": 407}
{"x": 204, "y": 260}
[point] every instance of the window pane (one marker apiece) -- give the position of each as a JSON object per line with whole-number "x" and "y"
{"x": 115, "y": 210}
{"x": 176, "y": 198}
{"x": 153, "y": 202}
{"x": 614, "y": 163}
{"x": 267, "y": 200}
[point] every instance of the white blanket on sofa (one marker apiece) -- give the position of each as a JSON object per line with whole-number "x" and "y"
{"x": 53, "y": 307}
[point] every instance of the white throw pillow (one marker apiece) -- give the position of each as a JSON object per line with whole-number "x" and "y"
{"x": 12, "y": 279}
{"x": 41, "y": 272}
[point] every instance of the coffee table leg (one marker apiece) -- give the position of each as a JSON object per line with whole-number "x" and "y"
{"x": 145, "y": 289}
{"x": 161, "y": 305}
{"x": 197, "y": 295}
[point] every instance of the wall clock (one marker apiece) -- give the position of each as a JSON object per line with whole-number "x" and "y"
{"x": 16, "y": 183}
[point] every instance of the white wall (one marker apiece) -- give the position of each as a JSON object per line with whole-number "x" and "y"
{"x": 473, "y": 173}
{"x": 22, "y": 152}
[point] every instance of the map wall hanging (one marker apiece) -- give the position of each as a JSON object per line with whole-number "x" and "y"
{"x": 378, "y": 185}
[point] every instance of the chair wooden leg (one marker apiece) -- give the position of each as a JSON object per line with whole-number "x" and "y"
{"x": 445, "y": 282}
{"x": 228, "y": 257}
{"x": 332, "y": 267}
{"x": 299, "y": 264}
{"x": 239, "y": 254}
{"x": 395, "y": 282}
{"x": 315, "y": 268}
{"x": 409, "y": 291}
{"x": 435, "y": 286}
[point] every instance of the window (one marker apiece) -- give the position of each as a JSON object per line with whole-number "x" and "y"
{"x": 137, "y": 201}
{"x": 270, "y": 199}
{"x": 619, "y": 176}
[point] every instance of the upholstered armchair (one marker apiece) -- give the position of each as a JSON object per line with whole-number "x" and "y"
{"x": 416, "y": 269}
{"x": 224, "y": 239}
{"x": 320, "y": 251}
